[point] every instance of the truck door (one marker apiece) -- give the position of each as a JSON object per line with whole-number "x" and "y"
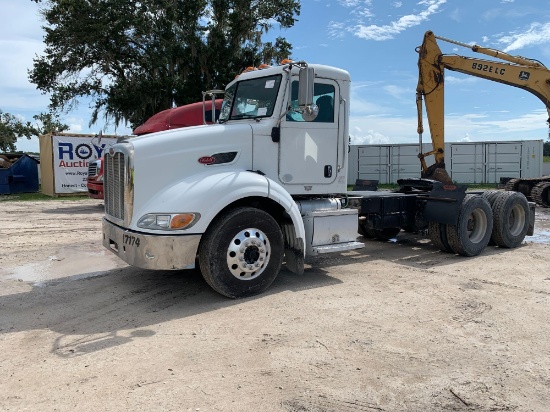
{"x": 309, "y": 150}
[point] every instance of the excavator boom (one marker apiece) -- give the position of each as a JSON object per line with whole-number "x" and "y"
{"x": 515, "y": 71}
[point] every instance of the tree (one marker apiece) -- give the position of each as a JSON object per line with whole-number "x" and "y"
{"x": 135, "y": 58}
{"x": 12, "y": 128}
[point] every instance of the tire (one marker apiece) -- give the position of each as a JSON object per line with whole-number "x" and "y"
{"x": 471, "y": 234}
{"x": 510, "y": 219}
{"x": 380, "y": 234}
{"x": 438, "y": 235}
{"x": 365, "y": 231}
{"x": 386, "y": 234}
{"x": 243, "y": 236}
{"x": 512, "y": 185}
{"x": 525, "y": 187}
{"x": 541, "y": 194}
{"x": 491, "y": 195}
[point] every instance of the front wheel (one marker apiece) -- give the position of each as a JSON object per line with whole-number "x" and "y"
{"x": 242, "y": 252}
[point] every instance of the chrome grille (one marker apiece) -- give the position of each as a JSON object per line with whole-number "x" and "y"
{"x": 114, "y": 176}
{"x": 92, "y": 169}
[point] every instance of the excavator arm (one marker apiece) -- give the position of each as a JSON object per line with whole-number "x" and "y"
{"x": 516, "y": 71}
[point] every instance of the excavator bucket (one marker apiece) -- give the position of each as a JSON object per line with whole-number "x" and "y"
{"x": 438, "y": 174}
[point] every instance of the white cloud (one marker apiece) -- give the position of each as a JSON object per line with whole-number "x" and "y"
{"x": 359, "y": 105}
{"x": 382, "y": 129}
{"x": 455, "y": 15}
{"x": 399, "y": 93}
{"x": 336, "y": 30}
{"x": 28, "y": 145}
{"x": 397, "y": 4}
{"x": 537, "y": 33}
{"x": 351, "y": 3}
{"x": 469, "y": 127}
{"x": 525, "y": 123}
{"x": 389, "y": 31}
{"x": 357, "y": 136}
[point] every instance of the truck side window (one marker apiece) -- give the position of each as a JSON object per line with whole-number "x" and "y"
{"x": 323, "y": 96}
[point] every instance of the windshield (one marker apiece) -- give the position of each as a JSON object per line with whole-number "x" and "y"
{"x": 250, "y": 98}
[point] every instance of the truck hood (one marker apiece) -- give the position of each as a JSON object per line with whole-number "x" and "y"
{"x": 165, "y": 158}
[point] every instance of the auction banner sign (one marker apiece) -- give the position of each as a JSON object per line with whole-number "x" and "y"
{"x": 71, "y": 157}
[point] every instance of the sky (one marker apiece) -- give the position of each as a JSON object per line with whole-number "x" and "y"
{"x": 375, "y": 41}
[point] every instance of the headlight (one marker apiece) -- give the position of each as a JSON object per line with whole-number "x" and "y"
{"x": 164, "y": 221}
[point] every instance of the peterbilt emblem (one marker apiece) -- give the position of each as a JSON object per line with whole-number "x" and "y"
{"x": 111, "y": 151}
{"x": 207, "y": 160}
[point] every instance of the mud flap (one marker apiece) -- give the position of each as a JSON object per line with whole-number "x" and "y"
{"x": 294, "y": 249}
{"x": 294, "y": 260}
{"x": 443, "y": 203}
{"x": 531, "y": 230}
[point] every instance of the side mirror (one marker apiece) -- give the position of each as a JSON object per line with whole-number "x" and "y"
{"x": 305, "y": 88}
{"x": 305, "y": 94}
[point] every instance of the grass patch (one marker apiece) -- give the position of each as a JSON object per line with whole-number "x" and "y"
{"x": 484, "y": 186}
{"x": 546, "y": 159}
{"x": 32, "y": 197}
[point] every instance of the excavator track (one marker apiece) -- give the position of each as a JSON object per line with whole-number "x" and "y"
{"x": 527, "y": 186}
{"x": 541, "y": 194}
{"x": 512, "y": 185}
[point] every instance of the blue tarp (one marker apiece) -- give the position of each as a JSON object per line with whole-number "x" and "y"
{"x": 21, "y": 176}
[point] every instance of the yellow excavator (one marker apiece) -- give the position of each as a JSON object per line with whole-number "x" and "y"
{"x": 517, "y": 71}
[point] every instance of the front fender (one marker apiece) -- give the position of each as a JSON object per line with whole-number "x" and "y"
{"x": 205, "y": 193}
{"x": 209, "y": 193}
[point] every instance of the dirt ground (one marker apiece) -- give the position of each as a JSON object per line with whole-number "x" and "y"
{"x": 394, "y": 326}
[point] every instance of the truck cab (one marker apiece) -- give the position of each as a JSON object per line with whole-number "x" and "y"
{"x": 239, "y": 196}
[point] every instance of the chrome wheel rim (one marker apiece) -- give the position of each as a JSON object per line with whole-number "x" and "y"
{"x": 248, "y": 254}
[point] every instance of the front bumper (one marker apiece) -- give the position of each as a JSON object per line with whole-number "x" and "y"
{"x": 162, "y": 252}
{"x": 95, "y": 189}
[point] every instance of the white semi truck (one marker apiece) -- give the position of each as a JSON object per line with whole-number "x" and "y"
{"x": 267, "y": 185}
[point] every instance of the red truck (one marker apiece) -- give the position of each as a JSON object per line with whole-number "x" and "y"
{"x": 183, "y": 116}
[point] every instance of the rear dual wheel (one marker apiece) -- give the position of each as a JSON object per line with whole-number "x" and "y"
{"x": 511, "y": 219}
{"x": 438, "y": 235}
{"x": 471, "y": 234}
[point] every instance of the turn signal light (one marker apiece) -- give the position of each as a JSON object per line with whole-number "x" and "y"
{"x": 182, "y": 221}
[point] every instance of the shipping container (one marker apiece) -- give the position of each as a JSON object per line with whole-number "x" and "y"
{"x": 466, "y": 162}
